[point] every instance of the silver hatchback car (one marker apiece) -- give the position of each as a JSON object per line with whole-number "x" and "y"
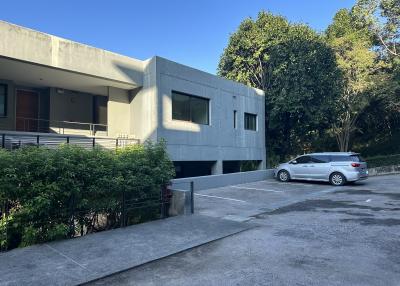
{"x": 338, "y": 168}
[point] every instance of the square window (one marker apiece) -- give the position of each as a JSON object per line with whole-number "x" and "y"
{"x": 250, "y": 121}
{"x": 180, "y": 107}
{"x": 199, "y": 110}
{"x": 190, "y": 108}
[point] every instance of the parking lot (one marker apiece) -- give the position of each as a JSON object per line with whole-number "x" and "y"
{"x": 303, "y": 234}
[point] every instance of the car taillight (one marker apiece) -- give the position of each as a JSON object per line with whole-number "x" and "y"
{"x": 355, "y": 165}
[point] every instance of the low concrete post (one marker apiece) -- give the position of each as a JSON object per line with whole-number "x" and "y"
{"x": 182, "y": 201}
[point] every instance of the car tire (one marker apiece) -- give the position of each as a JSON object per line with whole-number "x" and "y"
{"x": 283, "y": 176}
{"x": 337, "y": 179}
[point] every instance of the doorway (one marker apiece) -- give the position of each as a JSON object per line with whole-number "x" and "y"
{"x": 27, "y": 111}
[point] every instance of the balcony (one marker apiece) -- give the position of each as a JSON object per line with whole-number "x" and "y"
{"x": 12, "y": 140}
{"x": 60, "y": 127}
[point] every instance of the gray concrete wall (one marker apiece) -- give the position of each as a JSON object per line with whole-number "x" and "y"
{"x": 219, "y": 140}
{"x": 144, "y": 105}
{"x": 71, "y": 106}
{"x": 45, "y": 49}
{"x": 118, "y": 113}
{"x": 216, "y": 181}
{"x": 139, "y": 96}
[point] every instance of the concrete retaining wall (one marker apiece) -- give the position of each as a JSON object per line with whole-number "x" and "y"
{"x": 384, "y": 170}
{"x": 216, "y": 181}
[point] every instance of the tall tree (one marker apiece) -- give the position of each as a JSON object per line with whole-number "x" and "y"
{"x": 298, "y": 73}
{"x": 352, "y": 44}
{"x": 382, "y": 17}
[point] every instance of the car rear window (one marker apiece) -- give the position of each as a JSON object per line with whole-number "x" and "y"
{"x": 345, "y": 158}
{"x": 356, "y": 158}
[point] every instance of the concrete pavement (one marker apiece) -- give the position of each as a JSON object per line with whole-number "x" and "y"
{"x": 321, "y": 236}
{"x": 76, "y": 261}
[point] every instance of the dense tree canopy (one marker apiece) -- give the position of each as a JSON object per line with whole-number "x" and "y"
{"x": 298, "y": 72}
{"x": 339, "y": 90}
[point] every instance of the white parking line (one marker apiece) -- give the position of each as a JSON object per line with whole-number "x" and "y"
{"x": 264, "y": 190}
{"x": 292, "y": 184}
{"x": 222, "y": 198}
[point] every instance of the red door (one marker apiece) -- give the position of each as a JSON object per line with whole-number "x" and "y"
{"x": 27, "y": 111}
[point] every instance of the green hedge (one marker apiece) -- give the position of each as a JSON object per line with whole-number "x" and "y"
{"x": 378, "y": 161}
{"x": 48, "y": 194}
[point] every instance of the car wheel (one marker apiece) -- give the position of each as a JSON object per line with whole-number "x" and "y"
{"x": 337, "y": 179}
{"x": 284, "y": 176}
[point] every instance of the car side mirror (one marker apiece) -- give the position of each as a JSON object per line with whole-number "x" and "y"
{"x": 293, "y": 162}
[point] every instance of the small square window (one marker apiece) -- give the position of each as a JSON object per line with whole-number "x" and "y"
{"x": 3, "y": 100}
{"x": 250, "y": 121}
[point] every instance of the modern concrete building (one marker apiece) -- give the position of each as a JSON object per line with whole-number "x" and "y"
{"x": 53, "y": 85}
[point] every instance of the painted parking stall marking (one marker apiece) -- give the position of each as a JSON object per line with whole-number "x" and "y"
{"x": 222, "y": 198}
{"x": 257, "y": 189}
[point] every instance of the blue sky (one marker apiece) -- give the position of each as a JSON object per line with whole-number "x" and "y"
{"x": 189, "y": 32}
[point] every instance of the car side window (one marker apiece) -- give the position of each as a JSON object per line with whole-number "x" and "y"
{"x": 341, "y": 158}
{"x": 303, "y": 160}
{"x": 320, "y": 159}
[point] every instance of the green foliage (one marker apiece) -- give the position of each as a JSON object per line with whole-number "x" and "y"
{"x": 379, "y": 161}
{"x": 359, "y": 65}
{"x": 382, "y": 18}
{"x": 249, "y": 165}
{"x": 298, "y": 72}
{"x": 58, "y": 193}
{"x": 340, "y": 90}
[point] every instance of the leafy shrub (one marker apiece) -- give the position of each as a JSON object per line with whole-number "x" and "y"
{"x": 379, "y": 161}
{"x": 48, "y": 194}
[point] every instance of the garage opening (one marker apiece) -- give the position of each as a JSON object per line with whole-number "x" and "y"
{"x": 184, "y": 169}
{"x": 236, "y": 166}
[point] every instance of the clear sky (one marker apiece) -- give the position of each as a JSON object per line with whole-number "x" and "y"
{"x": 191, "y": 32}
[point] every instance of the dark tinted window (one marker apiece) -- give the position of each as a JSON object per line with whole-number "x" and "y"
{"x": 3, "y": 100}
{"x": 250, "y": 121}
{"x": 346, "y": 158}
{"x": 320, "y": 158}
{"x": 356, "y": 158}
{"x": 303, "y": 160}
{"x": 190, "y": 108}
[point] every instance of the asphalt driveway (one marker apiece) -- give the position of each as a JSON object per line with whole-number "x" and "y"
{"x": 305, "y": 234}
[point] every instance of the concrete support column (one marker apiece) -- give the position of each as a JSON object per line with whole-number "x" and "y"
{"x": 118, "y": 112}
{"x": 217, "y": 168}
{"x": 262, "y": 165}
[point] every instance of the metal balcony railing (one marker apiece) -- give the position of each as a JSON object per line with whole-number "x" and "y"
{"x": 12, "y": 140}
{"x": 61, "y": 127}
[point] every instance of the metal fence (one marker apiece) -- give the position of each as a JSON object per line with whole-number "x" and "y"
{"x": 58, "y": 126}
{"x": 15, "y": 140}
{"x": 123, "y": 212}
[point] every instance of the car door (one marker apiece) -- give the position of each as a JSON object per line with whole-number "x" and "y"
{"x": 320, "y": 167}
{"x": 300, "y": 167}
